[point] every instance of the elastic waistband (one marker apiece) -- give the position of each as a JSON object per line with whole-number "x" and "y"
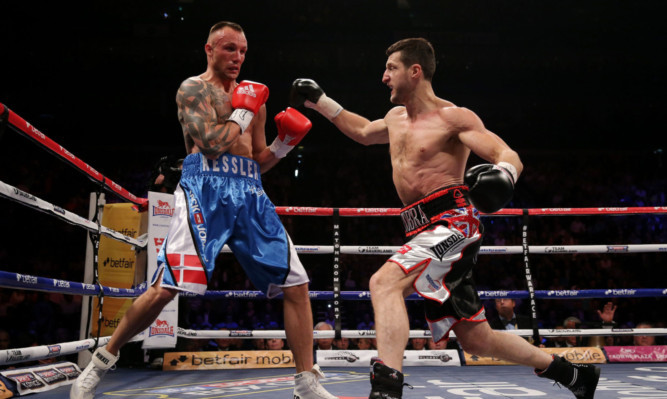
{"x": 225, "y": 165}
{"x": 421, "y": 214}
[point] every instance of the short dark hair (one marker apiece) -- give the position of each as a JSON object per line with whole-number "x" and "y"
{"x": 223, "y": 24}
{"x": 416, "y": 50}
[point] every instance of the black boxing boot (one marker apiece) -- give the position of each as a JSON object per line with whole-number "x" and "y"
{"x": 386, "y": 383}
{"x": 581, "y": 379}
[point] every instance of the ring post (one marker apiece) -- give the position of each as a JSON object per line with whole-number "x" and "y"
{"x": 529, "y": 278}
{"x": 4, "y": 114}
{"x": 336, "y": 272}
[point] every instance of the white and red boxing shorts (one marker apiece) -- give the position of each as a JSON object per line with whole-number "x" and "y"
{"x": 446, "y": 236}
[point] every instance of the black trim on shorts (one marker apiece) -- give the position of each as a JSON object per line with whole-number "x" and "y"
{"x": 464, "y": 301}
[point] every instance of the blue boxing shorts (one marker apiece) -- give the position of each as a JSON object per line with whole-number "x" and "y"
{"x": 446, "y": 234}
{"x": 222, "y": 202}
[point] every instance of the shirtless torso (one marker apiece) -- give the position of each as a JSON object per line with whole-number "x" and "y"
{"x": 204, "y": 105}
{"x": 429, "y": 143}
{"x": 426, "y": 153}
{"x": 203, "y": 109}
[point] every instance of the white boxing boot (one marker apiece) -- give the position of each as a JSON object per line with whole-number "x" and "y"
{"x": 307, "y": 385}
{"x": 85, "y": 385}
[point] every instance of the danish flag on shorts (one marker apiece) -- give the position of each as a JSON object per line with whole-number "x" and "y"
{"x": 187, "y": 270}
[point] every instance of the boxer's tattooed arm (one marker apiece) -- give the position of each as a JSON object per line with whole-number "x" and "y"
{"x": 199, "y": 117}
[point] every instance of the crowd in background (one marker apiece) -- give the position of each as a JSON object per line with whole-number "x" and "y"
{"x": 363, "y": 179}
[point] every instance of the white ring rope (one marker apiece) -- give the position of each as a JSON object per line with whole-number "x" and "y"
{"x": 33, "y": 202}
{"x": 317, "y": 334}
{"x": 489, "y": 250}
{"x": 18, "y": 355}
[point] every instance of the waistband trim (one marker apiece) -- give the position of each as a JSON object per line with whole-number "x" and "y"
{"x": 225, "y": 165}
{"x": 423, "y": 213}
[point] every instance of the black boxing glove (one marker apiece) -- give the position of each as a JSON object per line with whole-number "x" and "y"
{"x": 491, "y": 186}
{"x": 307, "y": 92}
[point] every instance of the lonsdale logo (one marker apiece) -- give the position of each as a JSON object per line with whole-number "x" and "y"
{"x": 161, "y": 327}
{"x": 441, "y": 248}
{"x": 163, "y": 209}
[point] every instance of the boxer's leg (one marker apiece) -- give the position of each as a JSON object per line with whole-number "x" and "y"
{"x": 389, "y": 286}
{"x": 298, "y": 325}
{"x": 478, "y": 338}
{"x": 137, "y": 318}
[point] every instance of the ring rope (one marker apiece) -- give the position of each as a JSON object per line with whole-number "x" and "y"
{"x": 323, "y": 334}
{"x": 493, "y": 294}
{"x": 323, "y": 211}
{"x": 21, "y": 126}
{"x": 36, "y": 203}
{"x": 18, "y": 355}
{"x": 488, "y": 250}
{"x": 29, "y": 282}
{"x": 36, "y": 283}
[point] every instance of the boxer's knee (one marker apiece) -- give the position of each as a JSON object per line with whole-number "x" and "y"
{"x": 158, "y": 295}
{"x": 296, "y": 294}
{"x": 391, "y": 279}
{"x": 381, "y": 284}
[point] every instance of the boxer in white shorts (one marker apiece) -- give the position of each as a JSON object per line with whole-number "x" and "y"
{"x": 430, "y": 140}
{"x": 446, "y": 234}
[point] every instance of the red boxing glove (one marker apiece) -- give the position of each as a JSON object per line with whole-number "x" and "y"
{"x": 247, "y": 98}
{"x": 292, "y": 127}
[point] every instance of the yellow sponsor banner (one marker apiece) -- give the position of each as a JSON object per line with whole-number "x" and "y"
{"x": 118, "y": 262}
{"x": 574, "y": 355}
{"x": 227, "y": 360}
{"x": 113, "y": 310}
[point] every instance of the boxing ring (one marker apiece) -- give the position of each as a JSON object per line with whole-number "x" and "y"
{"x": 645, "y": 378}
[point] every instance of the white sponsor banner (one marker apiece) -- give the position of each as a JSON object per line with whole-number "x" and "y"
{"x": 445, "y": 357}
{"x": 362, "y": 358}
{"x": 25, "y": 381}
{"x": 162, "y": 333}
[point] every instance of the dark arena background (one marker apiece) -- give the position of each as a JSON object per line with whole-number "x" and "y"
{"x": 577, "y": 88}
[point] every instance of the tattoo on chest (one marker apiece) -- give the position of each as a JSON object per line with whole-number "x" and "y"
{"x": 203, "y": 110}
{"x": 221, "y": 103}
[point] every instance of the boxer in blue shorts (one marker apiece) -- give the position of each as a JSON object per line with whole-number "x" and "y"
{"x": 220, "y": 200}
{"x": 430, "y": 140}
{"x": 217, "y": 203}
